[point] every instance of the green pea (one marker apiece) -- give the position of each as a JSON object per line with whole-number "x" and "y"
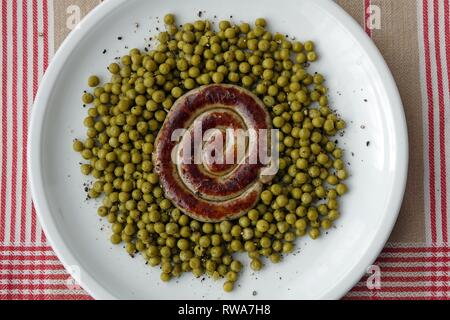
{"x": 216, "y": 252}
{"x": 262, "y": 226}
{"x": 341, "y": 189}
{"x": 169, "y": 19}
{"x": 218, "y": 77}
{"x": 87, "y": 98}
{"x": 236, "y": 231}
{"x": 281, "y": 201}
{"x": 228, "y": 286}
{"x": 314, "y": 233}
{"x": 93, "y": 81}
{"x": 78, "y": 146}
{"x": 115, "y": 238}
{"x": 256, "y": 264}
{"x": 266, "y": 196}
{"x": 288, "y": 247}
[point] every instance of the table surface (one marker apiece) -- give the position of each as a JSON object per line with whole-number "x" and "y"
{"x": 414, "y": 38}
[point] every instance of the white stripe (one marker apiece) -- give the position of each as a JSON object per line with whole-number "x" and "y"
{"x": 19, "y": 111}
{"x": 32, "y": 272}
{"x": 423, "y": 81}
{"x": 28, "y": 263}
{"x": 2, "y": 88}
{"x": 9, "y": 125}
{"x": 407, "y": 275}
{"x": 407, "y": 245}
{"x": 50, "y": 41}
{"x": 30, "y": 253}
{"x": 446, "y": 90}
{"x": 40, "y": 73}
{"x": 412, "y": 264}
{"x": 378, "y": 294}
{"x": 414, "y": 254}
{"x": 20, "y": 118}
{"x": 51, "y": 24}
{"x": 406, "y": 284}
{"x": 435, "y": 97}
{"x": 30, "y": 103}
{"x": 45, "y": 291}
{"x": 66, "y": 281}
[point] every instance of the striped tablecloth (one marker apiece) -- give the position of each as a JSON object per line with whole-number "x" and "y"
{"x": 413, "y": 36}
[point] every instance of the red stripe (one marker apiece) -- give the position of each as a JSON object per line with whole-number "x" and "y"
{"x": 46, "y": 35}
{"x": 421, "y": 297}
{"x": 431, "y": 97}
{"x": 25, "y": 248}
{"x": 447, "y": 52}
{"x": 33, "y": 223}
{"x": 416, "y": 250}
{"x": 12, "y": 232}
{"x": 36, "y": 286}
{"x": 367, "y": 17}
{"x": 28, "y": 257}
{"x": 4, "y": 117}
{"x": 32, "y": 267}
{"x": 25, "y": 258}
{"x": 447, "y": 38}
{"x": 402, "y": 289}
{"x": 400, "y": 269}
{"x": 406, "y": 279}
{"x": 35, "y": 87}
{"x": 45, "y": 296}
{"x": 430, "y": 121}
{"x": 43, "y": 238}
{"x": 46, "y": 55}
{"x": 23, "y": 204}
{"x": 39, "y": 276}
{"x": 443, "y": 175}
{"x": 433, "y": 273}
{"x": 433, "y": 259}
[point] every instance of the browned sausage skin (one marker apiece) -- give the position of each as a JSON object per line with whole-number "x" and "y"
{"x": 217, "y": 191}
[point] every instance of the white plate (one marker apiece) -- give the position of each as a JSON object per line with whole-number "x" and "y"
{"x": 325, "y": 268}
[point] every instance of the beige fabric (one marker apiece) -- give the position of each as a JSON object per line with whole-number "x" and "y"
{"x": 65, "y": 12}
{"x": 397, "y": 41}
{"x": 355, "y": 8}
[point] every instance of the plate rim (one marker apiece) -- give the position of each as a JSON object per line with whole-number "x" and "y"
{"x": 34, "y": 154}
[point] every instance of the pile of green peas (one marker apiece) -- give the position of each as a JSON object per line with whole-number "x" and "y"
{"x": 126, "y": 113}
